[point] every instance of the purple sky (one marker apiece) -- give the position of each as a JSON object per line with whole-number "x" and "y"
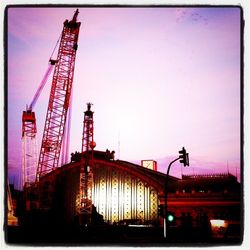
{"x": 159, "y": 79}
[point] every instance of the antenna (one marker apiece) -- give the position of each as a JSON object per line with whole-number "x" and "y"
{"x": 119, "y": 144}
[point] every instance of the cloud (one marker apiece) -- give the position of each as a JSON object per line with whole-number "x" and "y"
{"x": 29, "y": 25}
{"x": 180, "y": 14}
{"x": 193, "y": 15}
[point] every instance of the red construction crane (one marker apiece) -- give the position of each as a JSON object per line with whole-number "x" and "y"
{"x": 59, "y": 100}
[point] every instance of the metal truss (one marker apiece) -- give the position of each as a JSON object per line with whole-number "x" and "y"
{"x": 29, "y": 148}
{"x": 86, "y": 174}
{"x": 59, "y": 99}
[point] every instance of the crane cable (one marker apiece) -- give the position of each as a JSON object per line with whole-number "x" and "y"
{"x": 45, "y": 78}
{"x": 56, "y": 46}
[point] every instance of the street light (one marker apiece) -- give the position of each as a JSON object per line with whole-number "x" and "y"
{"x": 184, "y": 158}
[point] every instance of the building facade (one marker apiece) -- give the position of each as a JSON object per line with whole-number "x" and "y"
{"x": 124, "y": 192}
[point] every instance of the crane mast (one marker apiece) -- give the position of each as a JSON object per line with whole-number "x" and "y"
{"x": 59, "y": 98}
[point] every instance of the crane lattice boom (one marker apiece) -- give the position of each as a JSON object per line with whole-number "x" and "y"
{"x": 59, "y": 99}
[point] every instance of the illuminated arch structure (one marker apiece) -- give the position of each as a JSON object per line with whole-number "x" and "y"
{"x": 121, "y": 190}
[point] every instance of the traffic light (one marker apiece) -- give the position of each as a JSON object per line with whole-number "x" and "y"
{"x": 184, "y": 157}
{"x": 170, "y": 218}
{"x": 161, "y": 210}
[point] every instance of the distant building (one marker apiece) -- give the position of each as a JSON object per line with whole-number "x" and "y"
{"x": 212, "y": 201}
{"x": 12, "y": 196}
{"x": 151, "y": 164}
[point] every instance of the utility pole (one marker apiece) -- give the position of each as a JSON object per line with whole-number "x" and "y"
{"x": 184, "y": 158}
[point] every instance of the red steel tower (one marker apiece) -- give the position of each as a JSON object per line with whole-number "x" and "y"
{"x": 88, "y": 129}
{"x": 59, "y": 100}
{"x": 86, "y": 174}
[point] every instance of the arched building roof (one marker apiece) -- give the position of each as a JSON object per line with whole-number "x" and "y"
{"x": 151, "y": 177}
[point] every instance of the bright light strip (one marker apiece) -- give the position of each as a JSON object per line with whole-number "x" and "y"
{"x": 218, "y": 223}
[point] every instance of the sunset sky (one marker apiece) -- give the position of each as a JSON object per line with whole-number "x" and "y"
{"x": 159, "y": 79}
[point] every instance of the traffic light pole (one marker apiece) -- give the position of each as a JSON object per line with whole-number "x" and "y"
{"x": 165, "y": 226}
{"x": 183, "y": 157}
